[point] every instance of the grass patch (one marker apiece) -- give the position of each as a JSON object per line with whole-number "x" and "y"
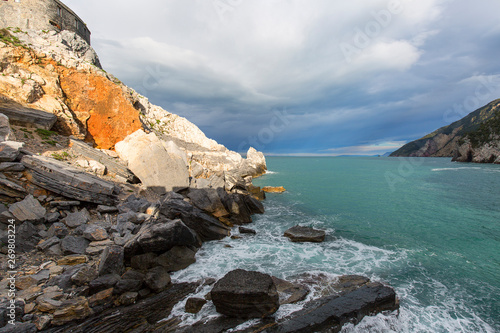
{"x": 7, "y": 37}
{"x": 45, "y": 134}
{"x": 50, "y": 142}
{"x": 61, "y": 157}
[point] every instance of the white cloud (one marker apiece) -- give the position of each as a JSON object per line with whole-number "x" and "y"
{"x": 371, "y": 149}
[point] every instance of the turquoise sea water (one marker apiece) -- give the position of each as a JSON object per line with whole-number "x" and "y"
{"x": 428, "y": 227}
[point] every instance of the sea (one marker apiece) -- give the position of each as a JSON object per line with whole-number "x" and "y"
{"x": 428, "y": 227}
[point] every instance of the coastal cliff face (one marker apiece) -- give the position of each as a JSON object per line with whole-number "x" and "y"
{"x": 59, "y": 73}
{"x": 475, "y": 138}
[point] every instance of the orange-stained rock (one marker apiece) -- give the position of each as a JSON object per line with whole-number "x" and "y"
{"x": 271, "y": 189}
{"x": 102, "y": 105}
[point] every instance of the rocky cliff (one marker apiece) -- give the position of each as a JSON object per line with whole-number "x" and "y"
{"x": 474, "y": 138}
{"x": 60, "y": 73}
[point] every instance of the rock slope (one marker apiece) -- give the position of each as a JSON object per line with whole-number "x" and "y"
{"x": 455, "y": 140}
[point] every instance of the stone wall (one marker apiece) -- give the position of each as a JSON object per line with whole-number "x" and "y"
{"x": 41, "y": 15}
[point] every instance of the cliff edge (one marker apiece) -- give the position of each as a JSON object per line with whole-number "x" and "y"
{"x": 474, "y": 138}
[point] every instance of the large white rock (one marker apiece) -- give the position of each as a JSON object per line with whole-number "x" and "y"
{"x": 6, "y": 133}
{"x": 160, "y": 166}
{"x": 254, "y": 165}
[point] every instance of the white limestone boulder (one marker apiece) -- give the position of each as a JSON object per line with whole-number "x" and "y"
{"x": 160, "y": 166}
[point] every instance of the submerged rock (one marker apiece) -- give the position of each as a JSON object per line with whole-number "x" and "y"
{"x": 245, "y": 294}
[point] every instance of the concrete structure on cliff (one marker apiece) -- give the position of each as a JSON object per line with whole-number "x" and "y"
{"x": 41, "y": 15}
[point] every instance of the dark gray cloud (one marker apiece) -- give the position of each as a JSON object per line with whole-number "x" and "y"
{"x": 351, "y": 76}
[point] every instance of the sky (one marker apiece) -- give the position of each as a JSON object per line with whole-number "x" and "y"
{"x": 297, "y": 77}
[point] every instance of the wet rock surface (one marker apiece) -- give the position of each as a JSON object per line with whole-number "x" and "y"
{"x": 300, "y": 234}
{"x": 245, "y": 294}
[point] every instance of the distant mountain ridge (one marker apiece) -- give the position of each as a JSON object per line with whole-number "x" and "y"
{"x": 474, "y": 138}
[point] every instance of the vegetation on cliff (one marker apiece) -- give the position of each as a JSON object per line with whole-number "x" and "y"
{"x": 477, "y": 127}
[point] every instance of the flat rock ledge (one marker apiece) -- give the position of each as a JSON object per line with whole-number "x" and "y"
{"x": 300, "y": 234}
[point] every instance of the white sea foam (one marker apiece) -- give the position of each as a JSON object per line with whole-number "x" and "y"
{"x": 457, "y": 169}
{"x": 269, "y": 172}
{"x": 444, "y": 309}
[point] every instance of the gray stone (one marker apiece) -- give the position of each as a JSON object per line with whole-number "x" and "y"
{"x": 28, "y": 210}
{"x": 194, "y": 304}
{"x": 52, "y": 217}
{"x": 111, "y": 261}
{"x": 74, "y": 245}
{"x": 19, "y": 328}
{"x": 68, "y": 181}
{"x": 94, "y": 232}
{"x": 157, "y": 279}
{"x": 107, "y": 209}
{"x": 103, "y": 282}
{"x": 46, "y": 244}
{"x": 6, "y": 133}
{"x": 160, "y": 166}
{"x": 245, "y": 294}
{"x": 127, "y": 298}
{"x": 27, "y": 117}
{"x": 160, "y": 237}
{"x": 64, "y": 204}
{"x": 84, "y": 275}
{"x": 111, "y": 164}
{"x": 11, "y": 167}
{"x": 244, "y": 230}
{"x": 126, "y": 285}
{"x": 10, "y": 189}
{"x": 206, "y": 227}
{"x": 74, "y": 220}
{"x": 332, "y": 312}
{"x": 58, "y": 229}
{"x": 179, "y": 257}
{"x": 144, "y": 261}
{"x": 305, "y": 234}
{"x": 209, "y": 201}
{"x": 9, "y": 150}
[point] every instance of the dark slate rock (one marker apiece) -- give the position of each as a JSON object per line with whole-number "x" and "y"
{"x": 11, "y": 167}
{"x": 194, "y": 304}
{"x": 206, "y": 227}
{"x": 84, "y": 275}
{"x": 331, "y": 313}
{"x": 245, "y": 294}
{"x": 74, "y": 220}
{"x": 144, "y": 261}
{"x": 19, "y": 328}
{"x": 134, "y": 204}
{"x": 244, "y": 230}
{"x": 157, "y": 279}
{"x": 28, "y": 210}
{"x": 179, "y": 257}
{"x": 46, "y": 244}
{"x": 160, "y": 237}
{"x": 74, "y": 245}
{"x": 58, "y": 229}
{"x": 107, "y": 209}
{"x": 63, "y": 280}
{"x": 111, "y": 261}
{"x": 94, "y": 232}
{"x": 26, "y": 237}
{"x": 305, "y": 234}
{"x": 9, "y": 151}
{"x": 52, "y": 217}
{"x": 102, "y": 283}
{"x": 209, "y": 201}
{"x": 126, "y": 285}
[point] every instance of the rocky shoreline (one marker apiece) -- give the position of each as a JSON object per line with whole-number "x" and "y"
{"x": 100, "y": 208}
